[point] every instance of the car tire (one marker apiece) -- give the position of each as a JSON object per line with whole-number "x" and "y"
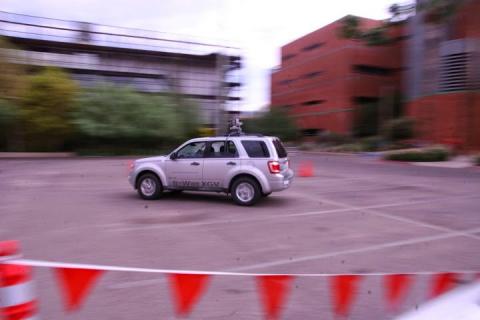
{"x": 246, "y": 191}
{"x": 149, "y": 187}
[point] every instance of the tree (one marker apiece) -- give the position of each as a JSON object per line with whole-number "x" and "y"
{"x": 119, "y": 115}
{"x": 9, "y": 115}
{"x": 436, "y": 11}
{"x": 275, "y": 122}
{"x": 12, "y": 76}
{"x": 366, "y": 120}
{"x": 46, "y": 109}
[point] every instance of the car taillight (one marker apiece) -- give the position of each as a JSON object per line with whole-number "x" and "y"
{"x": 274, "y": 166}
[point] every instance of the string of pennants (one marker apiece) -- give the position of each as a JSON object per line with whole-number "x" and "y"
{"x": 187, "y": 287}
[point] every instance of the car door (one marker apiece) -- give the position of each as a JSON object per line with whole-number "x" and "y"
{"x": 220, "y": 158}
{"x": 185, "y": 171}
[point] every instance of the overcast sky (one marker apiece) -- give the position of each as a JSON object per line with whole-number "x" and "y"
{"x": 259, "y": 27}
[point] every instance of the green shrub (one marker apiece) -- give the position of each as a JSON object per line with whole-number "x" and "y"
{"x": 306, "y": 146}
{"x": 422, "y": 155}
{"x": 476, "y": 160}
{"x": 275, "y": 122}
{"x": 333, "y": 138}
{"x": 349, "y": 147}
{"x": 371, "y": 143}
{"x": 398, "y": 129}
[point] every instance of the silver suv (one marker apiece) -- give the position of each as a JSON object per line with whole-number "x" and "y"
{"x": 246, "y": 166}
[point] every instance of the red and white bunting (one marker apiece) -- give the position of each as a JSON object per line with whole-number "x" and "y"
{"x": 344, "y": 289}
{"x": 396, "y": 287}
{"x": 442, "y": 283}
{"x": 186, "y": 290}
{"x": 75, "y": 285}
{"x": 273, "y": 290}
{"x": 187, "y": 286}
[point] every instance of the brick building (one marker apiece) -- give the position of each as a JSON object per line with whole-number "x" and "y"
{"x": 443, "y": 77}
{"x": 324, "y": 78}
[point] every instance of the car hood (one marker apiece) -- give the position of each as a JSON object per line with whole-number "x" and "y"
{"x": 149, "y": 159}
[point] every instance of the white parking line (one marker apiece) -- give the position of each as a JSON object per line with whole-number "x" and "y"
{"x": 269, "y": 217}
{"x": 281, "y": 262}
{"x": 397, "y": 218}
{"x": 355, "y": 251}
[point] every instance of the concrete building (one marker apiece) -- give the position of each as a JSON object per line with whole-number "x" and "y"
{"x": 324, "y": 79}
{"x": 148, "y": 61}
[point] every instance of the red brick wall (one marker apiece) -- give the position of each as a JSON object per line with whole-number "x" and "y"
{"x": 446, "y": 118}
{"x": 466, "y": 22}
{"x": 337, "y": 84}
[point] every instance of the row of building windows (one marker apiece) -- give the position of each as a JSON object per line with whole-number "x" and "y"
{"x": 305, "y": 103}
{"x": 309, "y": 75}
{"x": 310, "y": 47}
{"x": 357, "y": 68}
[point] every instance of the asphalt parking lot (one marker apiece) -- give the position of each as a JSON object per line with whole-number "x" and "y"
{"x": 356, "y": 215}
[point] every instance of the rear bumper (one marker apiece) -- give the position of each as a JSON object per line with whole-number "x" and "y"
{"x": 279, "y": 182}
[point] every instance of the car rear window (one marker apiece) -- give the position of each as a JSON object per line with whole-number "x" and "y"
{"x": 281, "y": 152}
{"x": 256, "y": 149}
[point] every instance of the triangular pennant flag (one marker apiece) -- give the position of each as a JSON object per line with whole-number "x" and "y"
{"x": 273, "y": 291}
{"x": 187, "y": 289}
{"x": 75, "y": 284}
{"x": 344, "y": 289}
{"x": 396, "y": 286}
{"x": 442, "y": 282}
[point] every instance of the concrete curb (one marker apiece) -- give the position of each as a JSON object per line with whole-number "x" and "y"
{"x": 36, "y": 155}
{"x": 328, "y": 153}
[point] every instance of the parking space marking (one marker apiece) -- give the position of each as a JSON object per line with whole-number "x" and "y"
{"x": 397, "y": 218}
{"x": 281, "y": 262}
{"x": 378, "y": 247}
{"x": 274, "y": 217}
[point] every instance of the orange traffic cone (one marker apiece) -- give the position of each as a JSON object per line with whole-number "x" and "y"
{"x": 305, "y": 169}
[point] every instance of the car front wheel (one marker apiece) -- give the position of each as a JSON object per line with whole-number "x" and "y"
{"x": 246, "y": 191}
{"x": 149, "y": 187}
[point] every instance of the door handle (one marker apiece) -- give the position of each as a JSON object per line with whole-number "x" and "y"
{"x": 231, "y": 163}
{"x": 194, "y": 164}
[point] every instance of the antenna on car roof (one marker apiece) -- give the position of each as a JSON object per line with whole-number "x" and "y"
{"x": 235, "y": 127}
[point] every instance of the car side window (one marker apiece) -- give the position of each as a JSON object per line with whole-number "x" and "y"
{"x": 256, "y": 149}
{"x": 220, "y": 149}
{"x": 192, "y": 150}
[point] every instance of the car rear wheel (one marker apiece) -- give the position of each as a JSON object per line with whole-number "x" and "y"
{"x": 246, "y": 191}
{"x": 149, "y": 187}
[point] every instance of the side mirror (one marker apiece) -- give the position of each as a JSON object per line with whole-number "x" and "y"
{"x": 173, "y": 156}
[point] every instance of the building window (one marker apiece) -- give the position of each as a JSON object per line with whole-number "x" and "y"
{"x": 313, "y": 46}
{"x": 312, "y": 74}
{"x": 288, "y": 57}
{"x": 365, "y": 100}
{"x": 454, "y": 72}
{"x": 312, "y": 102}
{"x": 372, "y": 70}
{"x": 286, "y": 81}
